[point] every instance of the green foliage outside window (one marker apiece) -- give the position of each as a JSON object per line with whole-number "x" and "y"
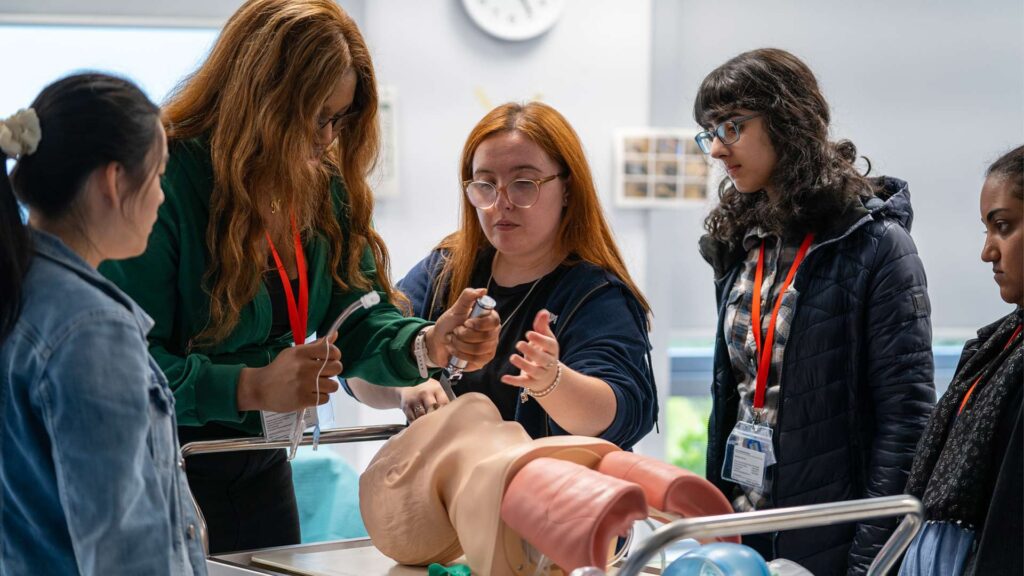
{"x": 687, "y": 423}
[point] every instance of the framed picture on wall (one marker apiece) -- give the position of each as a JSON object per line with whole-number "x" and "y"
{"x": 660, "y": 167}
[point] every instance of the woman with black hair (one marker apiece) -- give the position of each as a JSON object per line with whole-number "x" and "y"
{"x": 970, "y": 462}
{"x": 88, "y": 449}
{"x": 825, "y": 400}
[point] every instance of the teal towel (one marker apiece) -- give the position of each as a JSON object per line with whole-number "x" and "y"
{"x": 327, "y": 492}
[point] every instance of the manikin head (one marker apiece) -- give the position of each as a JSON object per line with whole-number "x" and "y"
{"x": 434, "y": 491}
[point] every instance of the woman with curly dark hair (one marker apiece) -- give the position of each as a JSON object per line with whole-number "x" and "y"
{"x": 827, "y": 398}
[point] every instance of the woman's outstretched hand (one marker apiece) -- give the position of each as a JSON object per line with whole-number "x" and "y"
{"x": 538, "y": 356}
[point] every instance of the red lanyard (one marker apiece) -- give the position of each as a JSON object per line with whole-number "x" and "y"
{"x": 764, "y": 353}
{"x": 970, "y": 391}
{"x": 297, "y": 314}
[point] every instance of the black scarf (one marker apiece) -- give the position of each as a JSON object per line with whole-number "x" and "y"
{"x": 955, "y": 465}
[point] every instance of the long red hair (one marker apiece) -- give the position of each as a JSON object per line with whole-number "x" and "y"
{"x": 272, "y": 68}
{"x": 583, "y": 232}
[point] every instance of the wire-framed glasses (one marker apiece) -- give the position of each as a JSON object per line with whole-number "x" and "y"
{"x": 728, "y": 132}
{"x": 522, "y": 193}
{"x": 337, "y": 121}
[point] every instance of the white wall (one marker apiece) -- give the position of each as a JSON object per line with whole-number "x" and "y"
{"x": 931, "y": 92}
{"x": 593, "y": 67}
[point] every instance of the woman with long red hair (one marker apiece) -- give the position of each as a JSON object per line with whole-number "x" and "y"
{"x": 573, "y": 351}
{"x": 265, "y": 237}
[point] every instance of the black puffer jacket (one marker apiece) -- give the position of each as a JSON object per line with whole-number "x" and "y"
{"x": 857, "y": 377}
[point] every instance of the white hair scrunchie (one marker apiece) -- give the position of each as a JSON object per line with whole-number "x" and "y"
{"x": 20, "y": 133}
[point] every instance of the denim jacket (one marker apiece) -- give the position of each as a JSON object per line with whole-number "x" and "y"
{"x": 89, "y": 458}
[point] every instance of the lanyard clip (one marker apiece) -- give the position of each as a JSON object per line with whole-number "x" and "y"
{"x": 758, "y": 415}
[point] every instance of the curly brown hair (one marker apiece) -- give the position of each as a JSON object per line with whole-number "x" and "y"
{"x": 817, "y": 176}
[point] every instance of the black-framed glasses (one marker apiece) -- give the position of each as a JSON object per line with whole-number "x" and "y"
{"x": 728, "y": 132}
{"x": 522, "y": 192}
{"x": 337, "y": 121}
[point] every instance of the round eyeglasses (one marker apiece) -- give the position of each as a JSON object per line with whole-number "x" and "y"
{"x": 728, "y": 132}
{"x": 337, "y": 121}
{"x": 521, "y": 193}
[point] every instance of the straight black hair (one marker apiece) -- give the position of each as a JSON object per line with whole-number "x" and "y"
{"x": 87, "y": 121}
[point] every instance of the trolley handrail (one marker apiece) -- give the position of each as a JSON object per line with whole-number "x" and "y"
{"x": 790, "y": 519}
{"x": 337, "y": 436}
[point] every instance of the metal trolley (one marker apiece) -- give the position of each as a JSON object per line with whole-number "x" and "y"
{"x": 706, "y": 527}
{"x": 241, "y": 562}
{"x": 793, "y": 518}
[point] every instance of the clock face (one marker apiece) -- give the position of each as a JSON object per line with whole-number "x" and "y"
{"x": 514, "y": 19}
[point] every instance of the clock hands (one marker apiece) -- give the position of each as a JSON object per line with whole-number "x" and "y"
{"x": 529, "y": 9}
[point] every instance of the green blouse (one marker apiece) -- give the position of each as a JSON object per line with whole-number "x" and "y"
{"x": 167, "y": 281}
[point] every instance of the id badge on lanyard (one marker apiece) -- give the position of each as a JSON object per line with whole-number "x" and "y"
{"x": 749, "y": 451}
{"x": 748, "y": 454}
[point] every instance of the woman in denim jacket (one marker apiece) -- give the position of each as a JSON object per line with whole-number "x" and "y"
{"x": 88, "y": 452}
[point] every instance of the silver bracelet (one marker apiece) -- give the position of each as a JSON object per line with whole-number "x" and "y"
{"x": 528, "y": 392}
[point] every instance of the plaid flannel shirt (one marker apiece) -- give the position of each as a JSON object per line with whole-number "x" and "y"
{"x": 778, "y": 257}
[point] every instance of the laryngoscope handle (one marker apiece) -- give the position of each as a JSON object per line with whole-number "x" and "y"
{"x": 483, "y": 305}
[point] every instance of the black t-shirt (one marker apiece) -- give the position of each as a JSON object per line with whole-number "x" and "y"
{"x": 517, "y": 305}
{"x": 279, "y": 323}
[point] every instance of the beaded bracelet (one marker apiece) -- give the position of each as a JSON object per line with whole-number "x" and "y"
{"x": 528, "y": 392}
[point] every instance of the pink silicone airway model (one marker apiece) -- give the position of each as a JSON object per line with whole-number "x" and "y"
{"x": 570, "y": 512}
{"x": 669, "y": 488}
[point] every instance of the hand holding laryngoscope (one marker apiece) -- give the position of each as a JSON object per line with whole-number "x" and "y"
{"x": 453, "y": 373}
{"x": 366, "y": 301}
{"x": 483, "y": 305}
{"x": 461, "y": 332}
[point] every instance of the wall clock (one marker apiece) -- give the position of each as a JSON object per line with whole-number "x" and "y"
{"x": 514, "y": 20}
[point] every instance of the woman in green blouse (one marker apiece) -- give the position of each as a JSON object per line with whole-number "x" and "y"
{"x": 264, "y": 238}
